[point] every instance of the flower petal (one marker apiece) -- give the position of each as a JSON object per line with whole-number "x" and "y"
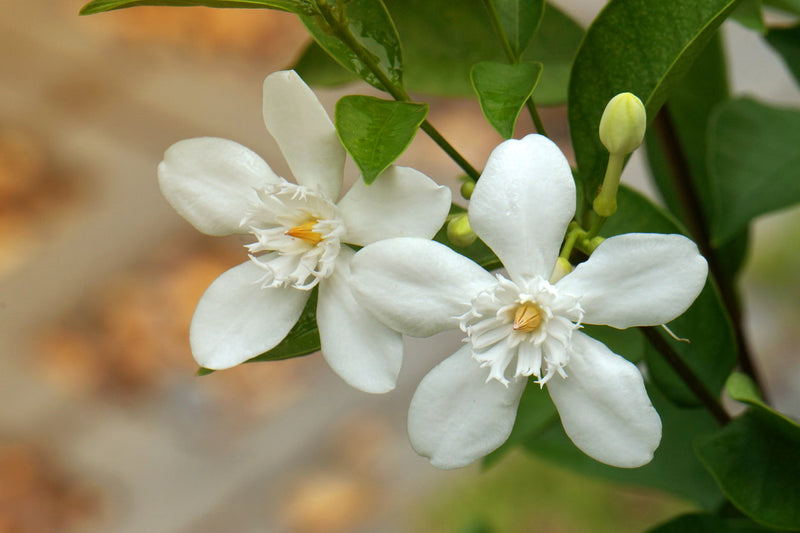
{"x": 210, "y": 182}
{"x": 361, "y": 350}
{"x": 416, "y": 286}
{"x": 637, "y": 279}
{"x": 304, "y": 132}
{"x": 457, "y": 417}
{"x": 604, "y": 406}
{"x": 401, "y": 203}
{"x": 523, "y": 203}
{"x": 236, "y": 319}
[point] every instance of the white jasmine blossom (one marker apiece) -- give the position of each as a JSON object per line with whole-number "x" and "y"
{"x": 300, "y": 231}
{"x": 529, "y": 324}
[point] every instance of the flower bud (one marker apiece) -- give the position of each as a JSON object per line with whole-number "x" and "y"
{"x": 623, "y": 124}
{"x": 467, "y": 186}
{"x": 459, "y": 231}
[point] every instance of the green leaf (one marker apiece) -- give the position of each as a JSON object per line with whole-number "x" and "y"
{"x": 755, "y": 460}
{"x": 99, "y": 6}
{"x": 639, "y": 46}
{"x": 711, "y": 350}
{"x": 520, "y": 19}
{"x": 786, "y": 41}
{"x": 674, "y": 467}
{"x": 743, "y": 389}
{"x": 372, "y": 27}
{"x": 748, "y": 14}
{"x": 708, "y": 523}
{"x": 375, "y": 132}
{"x": 754, "y": 163}
{"x": 502, "y": 91}
{"x": 442, "y": 40}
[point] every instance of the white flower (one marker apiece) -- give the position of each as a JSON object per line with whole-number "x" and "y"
{"x": 527, "y": 325}
{"x": 222, "y": 188}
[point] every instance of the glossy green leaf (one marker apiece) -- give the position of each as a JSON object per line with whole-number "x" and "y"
{"x": 674, "y": 467}
{"x": 754, "y": 163}
{"x": 99, "y": 6}
{"x": 372, "y": 27}
{"x": 520, "y": 19}
{"x": 503, "y": 90}
{"x": 756, "y": 462}
{"x": 375, "y": 132}
{"x": 748, "y": 14}
{"x": 639, "y": 46}
{"x": 743, "y": 389}
{"x": 708, "y": 523}
{"x": 442, "y": 40}
{"x": 786, "y": 41}
{"x": 711, "y": 350}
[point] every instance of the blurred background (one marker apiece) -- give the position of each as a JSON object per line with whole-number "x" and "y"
{"x": 103, "y": 425}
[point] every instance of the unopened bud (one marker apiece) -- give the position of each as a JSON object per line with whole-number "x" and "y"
{"x": 623, "y": 124}
{"x": 459, "y": 231}
{"x": 467, "y": 186}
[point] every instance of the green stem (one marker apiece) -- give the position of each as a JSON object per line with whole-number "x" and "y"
{"x": 514, "y": 59}
{"x": 398, "y": 93}
{"x": 686, "y": 374}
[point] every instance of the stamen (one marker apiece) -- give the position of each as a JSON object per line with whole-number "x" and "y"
{"x": 527, "y": 318}
{"x": 306, "y": 232}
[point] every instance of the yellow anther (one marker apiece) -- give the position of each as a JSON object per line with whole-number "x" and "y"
{"x": 306, "y": 232}
{"x": 527, "y": 318}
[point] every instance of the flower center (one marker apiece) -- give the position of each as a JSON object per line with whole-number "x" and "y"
{"x": 306, "y": 232}
{"x": 297, "y": 235}
{"x": 527, "y": 318}
{"x": 531, "y": 323}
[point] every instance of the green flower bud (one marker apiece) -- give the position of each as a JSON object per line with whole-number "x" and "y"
{"x": 467, "y": 186}
{"x": 459, "y": 231}
{"x": 623, "y": 124}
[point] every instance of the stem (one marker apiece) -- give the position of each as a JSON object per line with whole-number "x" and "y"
{"x": 514, "y": 59}
{"x": 687, "y": 195}
{"x": 398, "y": 93}
{"x": 686, "y": 374}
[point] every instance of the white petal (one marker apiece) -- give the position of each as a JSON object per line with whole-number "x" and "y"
{"x": 210, "y": 182}
{"x": 604, "y": 406}
{"x": 457, "y": 417}
{"x": 416, "y": 286}
{"x": 236, "y": 319}
{"x": 523, "y": 203}
{"x": 402, "y": 202}
{"x": 637, "y": 279}
{"x": 361, "y": 350}
{"x": 304, "y": 132}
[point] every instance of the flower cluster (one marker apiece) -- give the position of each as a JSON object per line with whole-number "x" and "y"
{"x": 300, "y": 232}
{"x": 519, "y": 327}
